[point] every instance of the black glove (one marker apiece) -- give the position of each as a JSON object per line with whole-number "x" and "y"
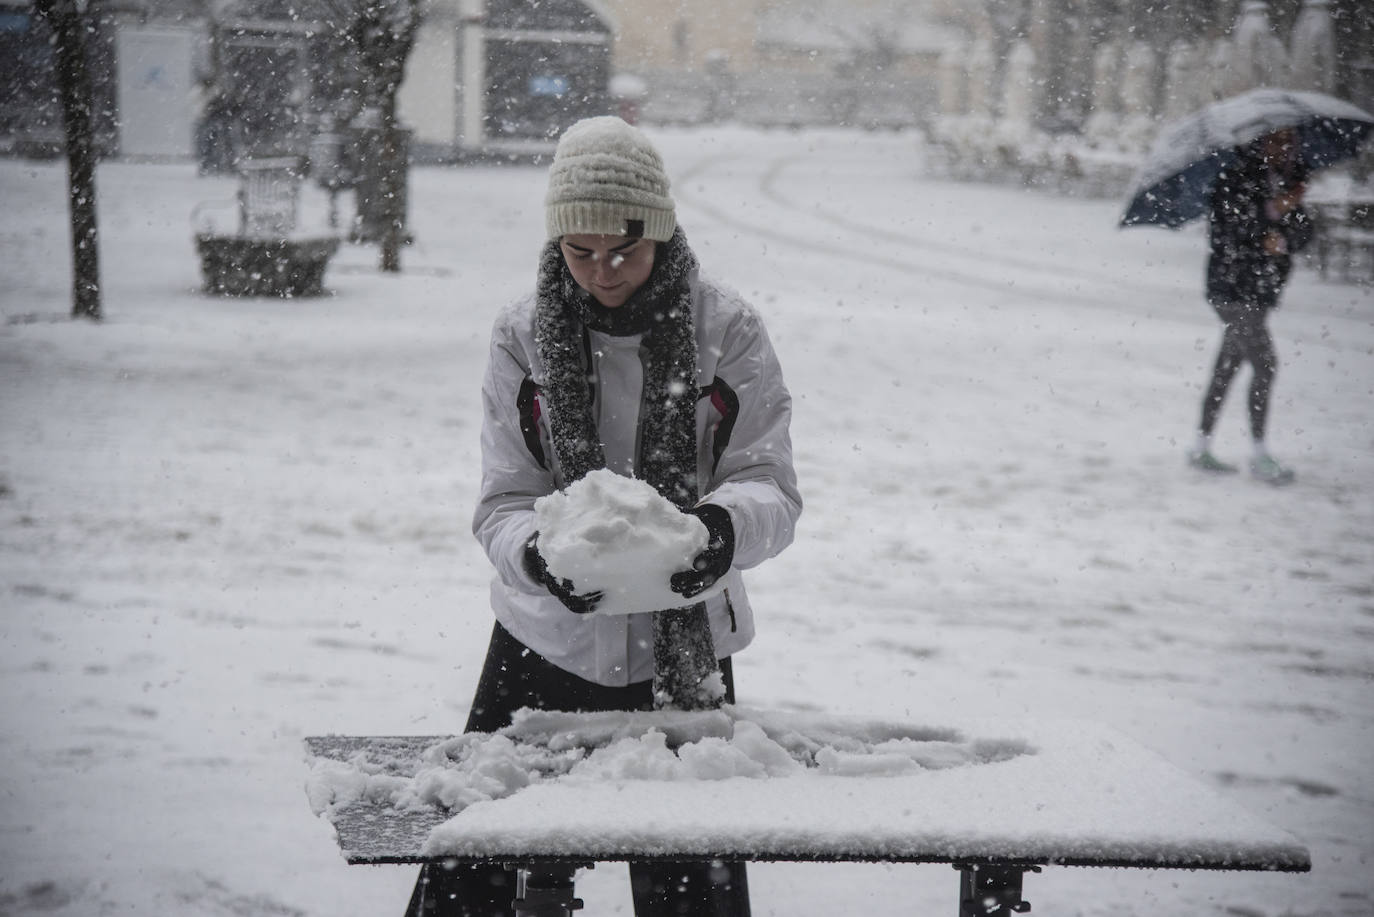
{"x": 715, "y": 559}
{"x": 562, "y": 589}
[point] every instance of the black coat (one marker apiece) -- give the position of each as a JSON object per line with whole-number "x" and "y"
{"x": 1239, "y": 270}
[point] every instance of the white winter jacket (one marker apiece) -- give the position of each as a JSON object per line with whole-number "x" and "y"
{"x": 744, "y": 464}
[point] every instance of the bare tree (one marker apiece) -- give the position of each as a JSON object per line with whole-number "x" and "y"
{"x": 382, "y": 33}
{"x": 69, "y": 24}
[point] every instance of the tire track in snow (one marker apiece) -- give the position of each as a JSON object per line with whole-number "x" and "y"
{"x": 926, "y": 270}
{"x": 1057, "y": 269}
{"x": 1116, "y": 287}
{"x": 1114, "y": 284}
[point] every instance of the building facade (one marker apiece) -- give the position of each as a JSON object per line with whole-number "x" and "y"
{"x": 223, "y": 78}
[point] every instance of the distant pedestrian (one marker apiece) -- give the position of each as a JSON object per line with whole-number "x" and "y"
{"x": 214, "y": 131}
{"x": 1257, "y": 225}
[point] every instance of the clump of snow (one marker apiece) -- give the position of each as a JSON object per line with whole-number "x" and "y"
{"x": 617, "y": 535}
{"x": 666, "y": 745}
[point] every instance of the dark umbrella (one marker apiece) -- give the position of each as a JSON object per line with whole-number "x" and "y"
{"x": 1177, "y": 176}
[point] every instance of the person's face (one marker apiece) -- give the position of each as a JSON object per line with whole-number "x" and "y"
{"x": 610, "y": 268}
{"x": 1279, "y": 144}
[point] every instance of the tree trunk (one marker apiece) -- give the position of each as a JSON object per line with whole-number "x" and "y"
{"x": 390, "y": 186}
{"x": 74, "y": 82}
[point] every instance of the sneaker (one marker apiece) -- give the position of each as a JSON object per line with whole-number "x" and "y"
{"x": 1269, "y": 471}
{"x": 1206, "y": 461}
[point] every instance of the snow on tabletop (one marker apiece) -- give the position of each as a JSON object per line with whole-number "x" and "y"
{"x": 782, "y": 785}
{"x": 616, "y": 534}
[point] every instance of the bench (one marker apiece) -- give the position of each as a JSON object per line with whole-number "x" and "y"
{"x": 1343, "y": 240}
{"x": 994, "y": 800}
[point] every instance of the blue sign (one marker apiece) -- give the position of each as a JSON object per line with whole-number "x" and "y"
{"x": 548, "y": 85}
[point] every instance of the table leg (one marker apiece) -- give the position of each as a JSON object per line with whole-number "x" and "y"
{"x": 991, "y": 891}
{"x": 546, "y": 891}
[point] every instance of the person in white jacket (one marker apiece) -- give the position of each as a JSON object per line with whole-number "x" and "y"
{"x": 625, "y": 358}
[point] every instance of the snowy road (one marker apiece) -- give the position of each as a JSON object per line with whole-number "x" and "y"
{"x": 226, "y": 525}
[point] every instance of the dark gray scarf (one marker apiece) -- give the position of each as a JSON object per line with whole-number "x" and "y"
{"x": 661, "y": 310}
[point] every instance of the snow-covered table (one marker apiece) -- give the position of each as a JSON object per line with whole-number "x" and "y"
{"x": 994, "y": 799}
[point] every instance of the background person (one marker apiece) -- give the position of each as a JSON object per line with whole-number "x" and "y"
{"x": 1257, "y": 225}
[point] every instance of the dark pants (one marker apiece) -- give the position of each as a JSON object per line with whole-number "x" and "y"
{"x": 513, "y": 676}
{"x": 1246, "y": 339}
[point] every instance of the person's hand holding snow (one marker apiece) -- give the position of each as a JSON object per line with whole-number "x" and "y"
{"x": 714, "y": 560}
{"x": 562, "y": 589}
{"x": 612, "y": 544}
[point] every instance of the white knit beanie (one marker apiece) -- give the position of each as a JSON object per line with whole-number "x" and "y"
{"x": 607, "y": 179}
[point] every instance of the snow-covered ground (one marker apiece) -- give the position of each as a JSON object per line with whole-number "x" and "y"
{"x": 226, "y": 525}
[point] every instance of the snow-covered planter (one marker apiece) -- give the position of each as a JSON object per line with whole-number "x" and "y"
{"x": 963, "y": 142}
{"x": 243, "y": 266}
{"x": 978, "y": 148}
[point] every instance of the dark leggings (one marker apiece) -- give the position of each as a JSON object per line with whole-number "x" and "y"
{"x": 1246, "y": 339}
{"x": 514, "y": 676}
